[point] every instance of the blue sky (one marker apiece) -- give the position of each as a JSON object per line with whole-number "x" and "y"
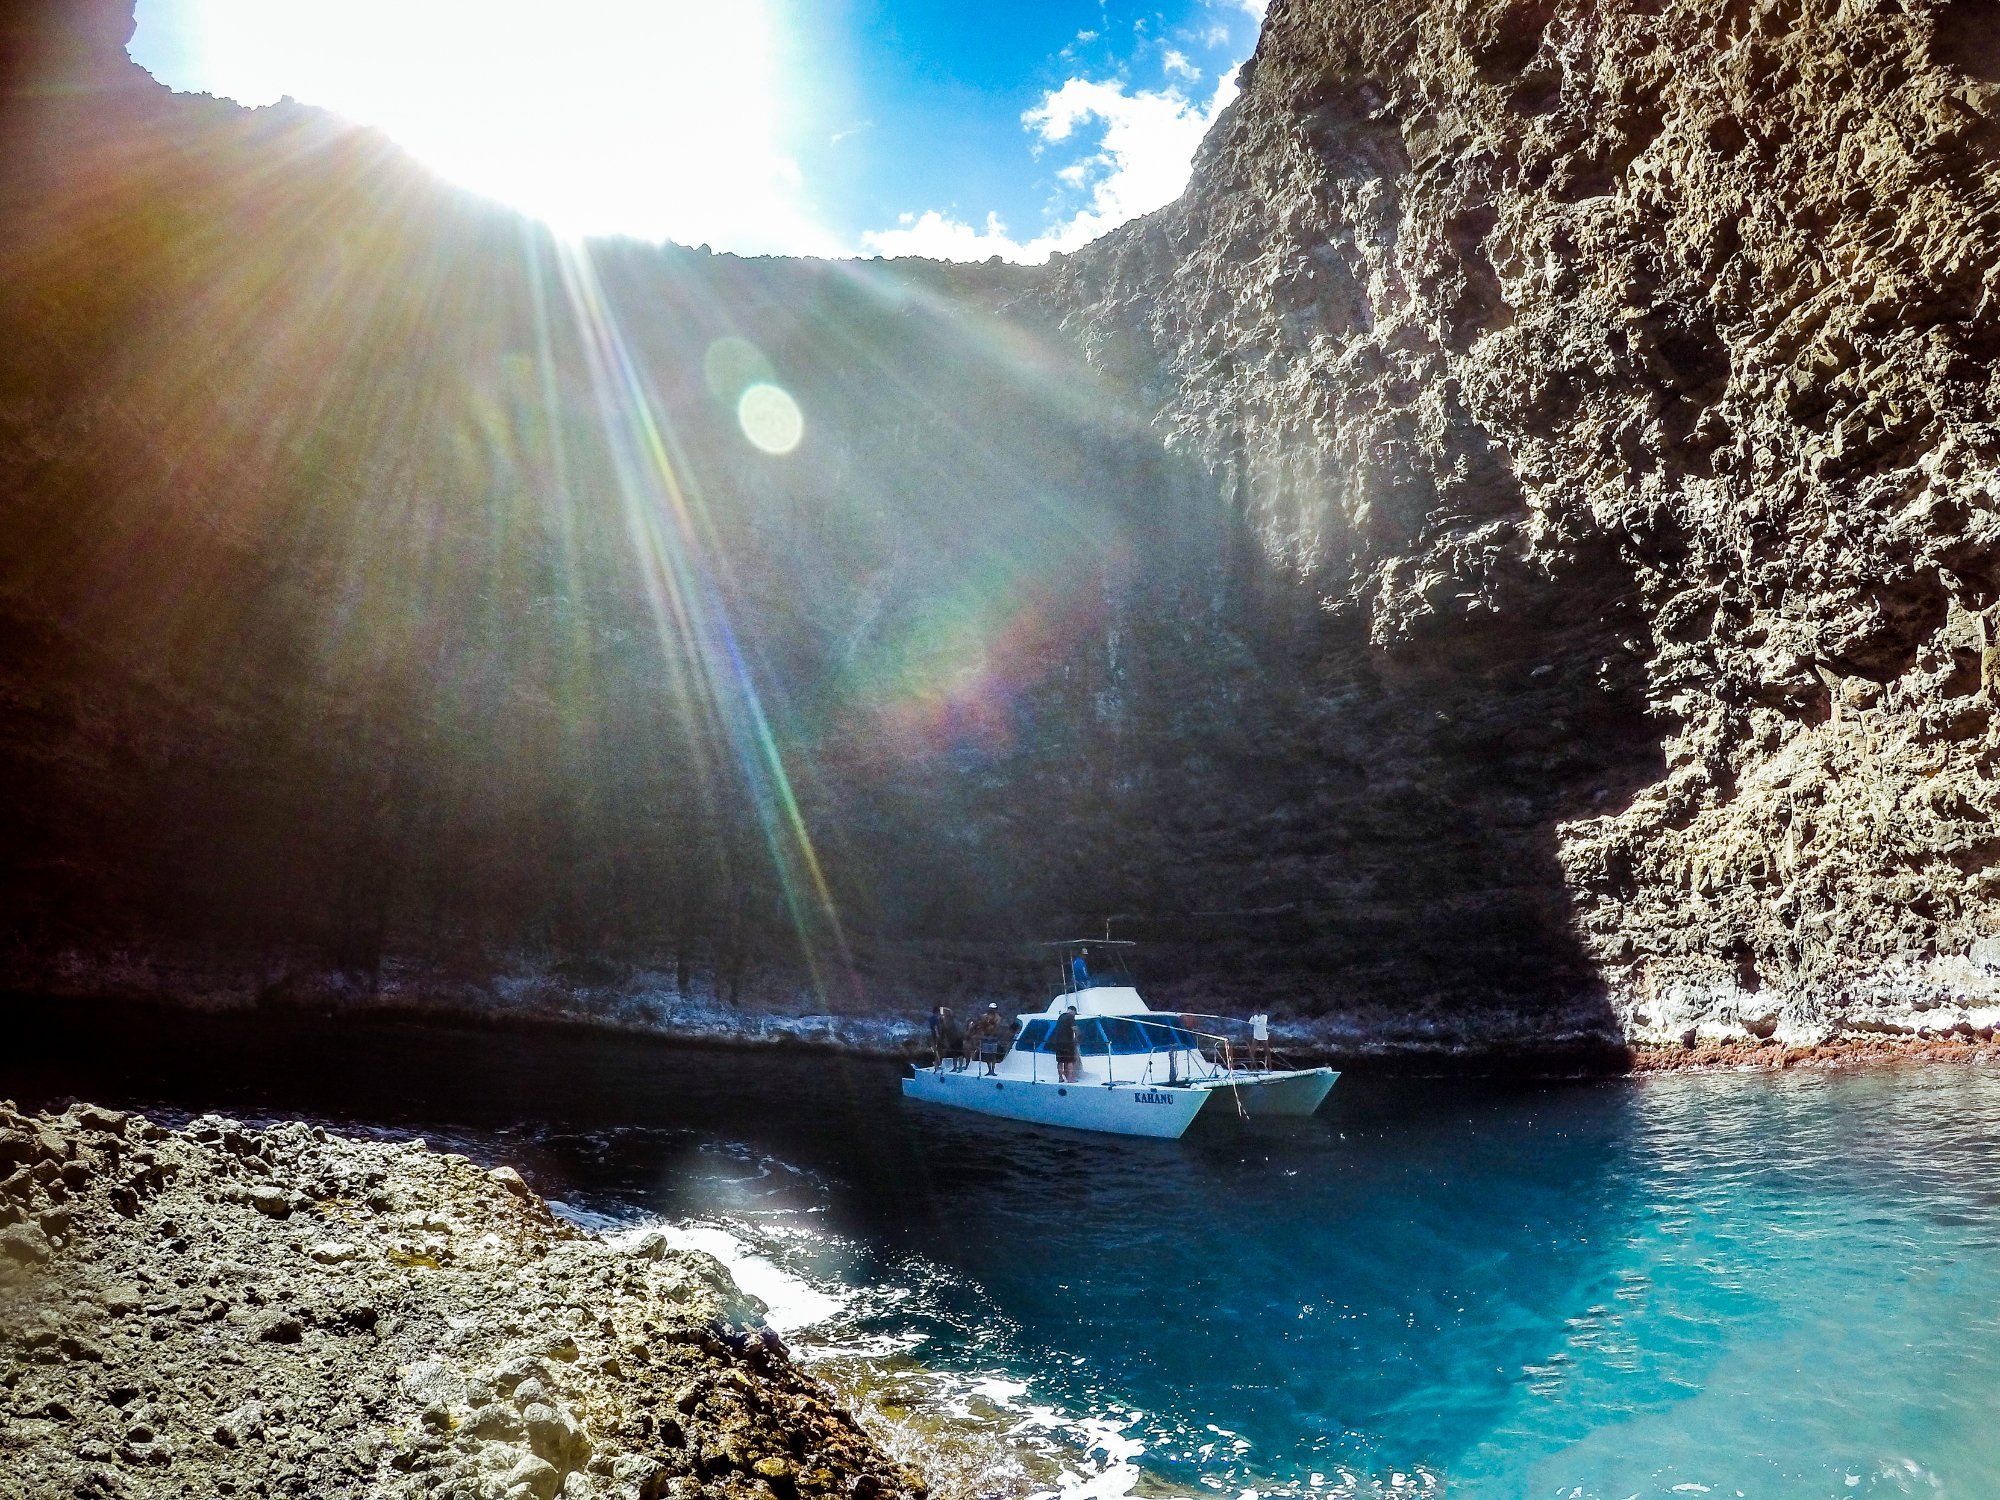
{"x": 941, "y": 127}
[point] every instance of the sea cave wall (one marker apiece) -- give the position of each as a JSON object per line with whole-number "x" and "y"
{"x": 1648, "y": 349}
{"x": 1507, "y": 559}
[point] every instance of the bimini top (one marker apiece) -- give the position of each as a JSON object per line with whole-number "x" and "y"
{"x": 1109, "y": 997}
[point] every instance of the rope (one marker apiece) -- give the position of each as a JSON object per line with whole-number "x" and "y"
{"x": 1235, "y": 1093}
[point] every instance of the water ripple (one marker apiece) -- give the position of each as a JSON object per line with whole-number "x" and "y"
{"x": 1776, "y": 1286}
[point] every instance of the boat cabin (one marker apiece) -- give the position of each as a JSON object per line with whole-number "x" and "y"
{"x": 1119, "y": 1039}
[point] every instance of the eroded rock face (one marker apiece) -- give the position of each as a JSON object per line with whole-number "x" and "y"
{"x": 1510, "y": 556}
{"x": 364, "y": 665}
{"x": 1685, "y": 313}
{"x": 229, "y": 1311}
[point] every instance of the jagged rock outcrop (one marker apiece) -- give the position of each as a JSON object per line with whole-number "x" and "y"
{"x": 230, "y": 1311}
{"x": 1678, "y": 322}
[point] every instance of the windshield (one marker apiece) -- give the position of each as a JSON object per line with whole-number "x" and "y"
{"x": 1097, "y": 1036}
{"x": 1033, "y": 1034}
{"x": 1161, "y": 1033}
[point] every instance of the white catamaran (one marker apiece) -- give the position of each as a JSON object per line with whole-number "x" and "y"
{"x": 1138, "y": 1071}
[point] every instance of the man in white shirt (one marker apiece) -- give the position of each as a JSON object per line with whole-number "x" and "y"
{"x": 1260, "y": 1040}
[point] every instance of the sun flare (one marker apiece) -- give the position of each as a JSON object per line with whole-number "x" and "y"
{"x": 662, "y": 119}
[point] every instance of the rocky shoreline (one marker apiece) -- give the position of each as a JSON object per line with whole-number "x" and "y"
{"x": 223, "y": 1311}
{"x": 1663, "y": 1033}
{"x": 1848, "y": 1052}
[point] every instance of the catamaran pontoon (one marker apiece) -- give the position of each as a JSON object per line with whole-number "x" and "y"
{"x": 1140, "y": 1071}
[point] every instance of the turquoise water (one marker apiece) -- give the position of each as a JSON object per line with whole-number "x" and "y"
{"x": 1728, "y": 1285}
{"x": 1723, "y": 1285}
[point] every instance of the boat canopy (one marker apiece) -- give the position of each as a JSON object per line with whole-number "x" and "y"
{"x": 1114, "y": 997}
{"x": 1110, "y": 1034}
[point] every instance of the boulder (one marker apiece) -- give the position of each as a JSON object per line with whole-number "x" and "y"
{"x": 239, "y": 1425}
{"x": 25, "y": 1243}
{"x": 494, "y": 1422}
{"x": 534, "y": 1476}
{"x": 513, "y": 1182}
{"x": 434, "y": 1382}
{"x": 270, "y": 1201}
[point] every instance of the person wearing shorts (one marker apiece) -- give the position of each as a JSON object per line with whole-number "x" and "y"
{"x": 1063, "y": 1042}
{"x": 992, "y": 1037}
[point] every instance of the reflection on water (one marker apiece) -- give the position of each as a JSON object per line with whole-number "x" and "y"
{"x": 1772, "y": 1286}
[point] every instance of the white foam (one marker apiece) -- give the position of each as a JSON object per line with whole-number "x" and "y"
{"x": 794, "y": 1304}
{"x": 1098, "y": 1455}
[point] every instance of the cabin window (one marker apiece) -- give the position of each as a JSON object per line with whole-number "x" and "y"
{"x": 1128, "y": 1036}
{"x": 1096, "y": 1036}
{"x": 1033, "y": 1034}
{"x": 1163, "y": 1036}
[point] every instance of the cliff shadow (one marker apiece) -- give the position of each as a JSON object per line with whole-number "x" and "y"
{"x": 1369, "y": 832}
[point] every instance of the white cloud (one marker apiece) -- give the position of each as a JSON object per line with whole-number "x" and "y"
{"x": 1145, "y": 144}
{"x": 1178, "y": 66}
{"x": 1148, "y": 139}
{"x": 937, "y": 236}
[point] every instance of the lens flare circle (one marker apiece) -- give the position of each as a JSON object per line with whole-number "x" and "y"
{"x": 770, "y": 418}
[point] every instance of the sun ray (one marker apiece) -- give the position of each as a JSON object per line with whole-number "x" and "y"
{"x": 684, "y": 570}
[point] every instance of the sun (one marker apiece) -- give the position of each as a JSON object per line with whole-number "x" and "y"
{"x": 660, "y": 119}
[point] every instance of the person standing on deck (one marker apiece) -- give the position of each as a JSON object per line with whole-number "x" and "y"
{"x": 1062, "y": 1042}
{"x": 983, "y": 1037}
{"x": 938, "y": 1014}
{"x": 1260, "y": 1041}
{"x": 953, "y": 1038}
{"x": 1079, "y": 973}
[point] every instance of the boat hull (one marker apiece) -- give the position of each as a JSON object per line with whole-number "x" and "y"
{"x": 1115, "y": 1109}
{"x": 1285, "y": 1095}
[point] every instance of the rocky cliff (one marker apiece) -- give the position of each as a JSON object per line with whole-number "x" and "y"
{"x": 1633, "y": 368}
{"x": 1507, "y": 557}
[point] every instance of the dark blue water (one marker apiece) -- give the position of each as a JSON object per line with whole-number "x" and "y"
{"x": 1733, "y": 1284}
